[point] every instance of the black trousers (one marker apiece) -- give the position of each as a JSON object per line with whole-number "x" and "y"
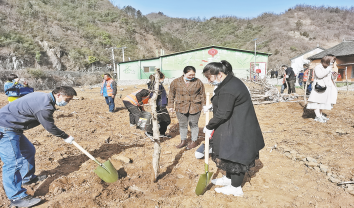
{"x": 163, "y": 118}
{"x": 291, "y": 88}
{"x": 134, "y": 112}
{"x": 236, "y": 179}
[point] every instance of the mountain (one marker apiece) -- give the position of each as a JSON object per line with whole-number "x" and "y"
{"x": 76, "y": 35}
{"x": 285, "y": 35}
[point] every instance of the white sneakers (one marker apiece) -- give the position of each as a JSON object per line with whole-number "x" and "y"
{"x": 324, "y": 118}
{"x": 223, "y": 181}
{"x": 320, "y": 119}
{"x": 230, "y": 190}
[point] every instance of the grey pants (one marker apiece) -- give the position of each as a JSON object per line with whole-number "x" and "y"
{"x": 192, "y": 119}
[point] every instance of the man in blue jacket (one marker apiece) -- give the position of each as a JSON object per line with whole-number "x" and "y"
{"x": 16, "y": 151}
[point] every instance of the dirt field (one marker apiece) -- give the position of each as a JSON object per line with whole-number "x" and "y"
{"x": 281, "y": 178}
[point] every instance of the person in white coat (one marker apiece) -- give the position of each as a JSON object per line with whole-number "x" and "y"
{"x": 324, "y": 76}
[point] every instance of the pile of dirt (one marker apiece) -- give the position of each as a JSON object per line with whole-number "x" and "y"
{"x": 282, "y": 177}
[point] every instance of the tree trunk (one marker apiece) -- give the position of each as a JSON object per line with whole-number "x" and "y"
{"x": 305, "y": 92}
{"x": 156, "y": 132}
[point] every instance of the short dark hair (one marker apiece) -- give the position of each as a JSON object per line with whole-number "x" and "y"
{"x": 107, "y": 75}
{"x": 215, "y": 68}
{"x": 65, "y": 90}
{"x": 12, "y": 77}
{"x": 285, "y": 66}
{"x": 188, "y": 69}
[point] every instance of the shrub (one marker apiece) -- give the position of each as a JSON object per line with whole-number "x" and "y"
{"x": 35, "y": 73}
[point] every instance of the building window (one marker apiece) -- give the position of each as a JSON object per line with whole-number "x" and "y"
{"x": 352, "y": 71}
{"x": 149, "y": 68}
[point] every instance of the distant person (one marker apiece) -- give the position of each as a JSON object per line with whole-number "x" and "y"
{"x": 237, "y": 137}
{"x": 308, "y": 78}
{"x": 290, "y": 78}
{"x": 163, "y": 117}
{"x": 109, "y": 91}
{"x": 284, "y": 85}
{"x": 187, "y": 96}
{"x": 12, "y": 87}
{"x": 16, "y": 151}
{"x": 135, "y": 102}
{"x": 324, "y": 100}
{"x": 300, "y": 77}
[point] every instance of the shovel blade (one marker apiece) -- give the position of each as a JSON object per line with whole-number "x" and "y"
{"x": 203, "y": 183}
{"x": 107, "y": 173}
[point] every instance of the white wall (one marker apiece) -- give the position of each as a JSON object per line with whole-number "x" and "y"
{"x": 297, "y": 63}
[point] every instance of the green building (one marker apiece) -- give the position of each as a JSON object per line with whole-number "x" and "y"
{"x": 172, "y": 65}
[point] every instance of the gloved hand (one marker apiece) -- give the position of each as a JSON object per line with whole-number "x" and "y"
{"x": 141, "y": 103}
{"x": 207, "y": 132}
{"x": 207, "y": 108}
{"x": 69, "y": 140}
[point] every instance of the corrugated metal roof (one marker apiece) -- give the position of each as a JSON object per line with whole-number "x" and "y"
{"x": 197, "y": 49}
{"x": 345, "y": 48}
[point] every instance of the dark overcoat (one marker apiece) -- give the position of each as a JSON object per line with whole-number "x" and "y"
{"x": 238, "y": 136}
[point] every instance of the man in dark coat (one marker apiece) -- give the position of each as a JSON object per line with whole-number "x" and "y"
{"x": 290, "y": 78}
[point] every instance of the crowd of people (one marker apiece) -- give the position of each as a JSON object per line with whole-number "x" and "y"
{"x": 234, "y": 132}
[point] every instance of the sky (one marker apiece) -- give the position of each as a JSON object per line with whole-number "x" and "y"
{"x": 210, "y": 8}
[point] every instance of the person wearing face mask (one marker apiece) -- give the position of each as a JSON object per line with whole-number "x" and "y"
{"x": 323, "y": 100}
{"x": 163, "y": 117}
{"x": 16, "y": 152}
{"x": 187, "y": 98}
{"x": 109, "y": 91}
{"x": 12, "y": 86}
{"x": 237, "y": 137}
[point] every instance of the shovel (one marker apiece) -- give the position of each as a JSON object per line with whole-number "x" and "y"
{"x": 105, "y": 171}
{"x": 205, "y": 178}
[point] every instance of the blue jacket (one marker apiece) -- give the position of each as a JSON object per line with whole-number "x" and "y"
{"x": 161, "y": 100}
{"x": 30, "y": 111}
{"x": 11, "y": 88}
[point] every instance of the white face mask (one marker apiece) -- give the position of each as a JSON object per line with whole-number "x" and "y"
{"x": 215, "y": 82}
{"x": 61, "y": 103}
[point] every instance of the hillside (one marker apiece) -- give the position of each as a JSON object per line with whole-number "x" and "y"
{"x": 71, "y": 35}
{"x": 284, "y": 35}
{"x": 75, "y": 35}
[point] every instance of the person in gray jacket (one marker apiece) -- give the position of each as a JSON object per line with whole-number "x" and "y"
{"x": 16, "y": 151}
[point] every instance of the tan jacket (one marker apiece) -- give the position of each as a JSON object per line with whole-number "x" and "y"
{"x": 186, "y": 99}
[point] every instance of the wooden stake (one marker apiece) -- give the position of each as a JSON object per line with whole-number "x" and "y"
{"x": 346, "y": 78}
{"x": 156, "y": 132}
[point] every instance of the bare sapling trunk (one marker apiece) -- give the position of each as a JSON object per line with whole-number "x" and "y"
{"x": 155, "y": 126}
{"x": 305, "y": 92}
{"x": 346, "y": 78}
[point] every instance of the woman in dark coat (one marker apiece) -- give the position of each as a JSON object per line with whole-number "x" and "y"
{"x": 238, "y": 138}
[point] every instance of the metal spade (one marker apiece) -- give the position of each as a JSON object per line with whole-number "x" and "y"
{"x": 205, "y": 178}
{"x": 105, "y": 171}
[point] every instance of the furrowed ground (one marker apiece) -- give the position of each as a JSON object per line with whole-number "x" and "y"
{"x": 280, "y": 179}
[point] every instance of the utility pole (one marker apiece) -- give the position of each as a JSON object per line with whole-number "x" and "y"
{"x": 114, "y": 66}
{"x": 255, "y": 54}
{"x": 122, "y": 51}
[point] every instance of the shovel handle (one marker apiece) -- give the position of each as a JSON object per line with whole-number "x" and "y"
{"x": 85, "y": 152}
{"x": 206, "y": 151}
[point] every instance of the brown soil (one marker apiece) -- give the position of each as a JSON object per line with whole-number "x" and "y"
{"x": 276, "y": 181}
